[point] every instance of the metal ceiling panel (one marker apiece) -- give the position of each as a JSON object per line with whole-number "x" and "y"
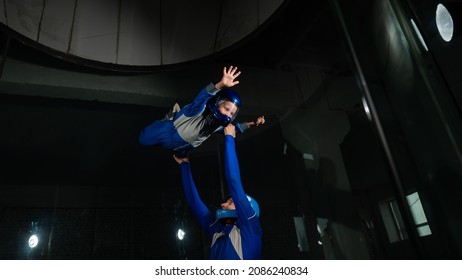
{"x": 239, "y": 19}
{"x": 24, "y": 16}
{"x": 188, "y": 32}
{"x": 267, "y": 8}
{"x": 139, "y": 34}
{"x": 95, "y": 31}
{"x": 2, "y": 12}
{"x": 56, "y": 25}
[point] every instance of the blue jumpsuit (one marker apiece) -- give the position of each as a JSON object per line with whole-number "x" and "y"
{"x": 191, "y": 126}
{"x": 237, "y": 241}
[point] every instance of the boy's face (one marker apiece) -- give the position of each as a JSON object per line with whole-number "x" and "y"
{"x": 228, "y": 205}
{"x": 228, "y": 108}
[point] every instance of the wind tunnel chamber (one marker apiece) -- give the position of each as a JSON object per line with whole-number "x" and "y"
{"x": 359, "y": 158}
{"x": 410, "y": 98}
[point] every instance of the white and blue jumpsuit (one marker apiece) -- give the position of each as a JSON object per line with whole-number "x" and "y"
{"x": 240, "y": 240}
{"x": 191, "y": 126}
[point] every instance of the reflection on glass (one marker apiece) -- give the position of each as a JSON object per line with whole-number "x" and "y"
{"x": 417, "y": 31}
{"x": 300, "y": 230}
{"x": 366, "y": 108}
{"x": 418, "y": 214}
{"x": 393, "y": 221}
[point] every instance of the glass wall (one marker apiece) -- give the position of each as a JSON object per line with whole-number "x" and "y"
{"x": 407, "y": 77}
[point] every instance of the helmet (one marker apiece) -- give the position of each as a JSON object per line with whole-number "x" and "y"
{"x": 220, "y": 213}
{"x": 213, "y": 104}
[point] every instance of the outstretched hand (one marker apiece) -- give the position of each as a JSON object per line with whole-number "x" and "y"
{"x": 260, "y": 121}
{"x": 228, "y": 79}
{"x": 180, "y": 160}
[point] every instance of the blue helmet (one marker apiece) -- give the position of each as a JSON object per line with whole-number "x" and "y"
{"x": 213, "y": 104}
{"x": 220, "y": 213}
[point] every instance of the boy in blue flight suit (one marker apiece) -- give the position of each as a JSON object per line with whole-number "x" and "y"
{"x": 215, "y": 107}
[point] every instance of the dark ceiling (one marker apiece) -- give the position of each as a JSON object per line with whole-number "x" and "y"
{"x": 299, "y": 34}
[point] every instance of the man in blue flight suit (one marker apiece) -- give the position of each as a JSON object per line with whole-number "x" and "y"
{"x": 235, "y": 229}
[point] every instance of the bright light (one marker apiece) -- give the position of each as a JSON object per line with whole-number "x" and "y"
{"x": 444, "y": 22}
{"x": 180, "y": 234}
{"x": 33, "y": 241}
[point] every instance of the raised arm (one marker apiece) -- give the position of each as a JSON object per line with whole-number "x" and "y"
{"x": 241, "y": 127}
{"x": 199, "y": 209}
{"x": 243, "y": 208}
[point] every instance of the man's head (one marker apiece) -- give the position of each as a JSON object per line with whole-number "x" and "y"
{"x": 225, "y": 106}
{"x": 228, "y": 209}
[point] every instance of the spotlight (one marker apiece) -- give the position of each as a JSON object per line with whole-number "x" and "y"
{"x": 33, "y": 241}
{"x": 180, "y": 234}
